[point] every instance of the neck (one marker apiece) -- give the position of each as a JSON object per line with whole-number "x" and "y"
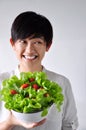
{"x": 30, "y": 69}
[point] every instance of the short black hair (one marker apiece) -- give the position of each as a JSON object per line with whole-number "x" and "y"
{"x": 31, "y": 24}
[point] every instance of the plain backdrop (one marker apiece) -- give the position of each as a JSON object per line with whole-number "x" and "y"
{"x": 67, "y": 55}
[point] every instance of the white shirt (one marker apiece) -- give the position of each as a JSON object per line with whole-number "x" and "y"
{"x": 66, "y": 119}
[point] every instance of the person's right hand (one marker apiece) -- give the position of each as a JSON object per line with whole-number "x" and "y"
{"x": 13, "y": 121}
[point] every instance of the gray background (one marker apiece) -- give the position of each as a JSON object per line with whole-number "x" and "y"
{"x": 67, "y": 54}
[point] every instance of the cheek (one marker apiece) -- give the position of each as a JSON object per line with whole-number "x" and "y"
{"x": 42, "y": 52}
{"x": 17, "y": 49}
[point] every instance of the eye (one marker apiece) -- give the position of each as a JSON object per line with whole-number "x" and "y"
{"x": 37, "y": 42}
{"x": 22, "y": 42}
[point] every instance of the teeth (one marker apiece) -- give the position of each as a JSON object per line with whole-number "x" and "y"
{"x": 30, "y": 57}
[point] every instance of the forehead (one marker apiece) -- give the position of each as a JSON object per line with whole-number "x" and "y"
{"x": 34, "y": 38}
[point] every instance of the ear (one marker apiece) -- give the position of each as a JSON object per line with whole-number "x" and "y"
{"x": 11, "y": 42}
{"x": 48, "y": 47}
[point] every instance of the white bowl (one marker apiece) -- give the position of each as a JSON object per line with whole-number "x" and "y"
{"x": 29, "y": 117}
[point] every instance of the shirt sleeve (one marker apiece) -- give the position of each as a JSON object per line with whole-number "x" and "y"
{"x": 70, "y": 120}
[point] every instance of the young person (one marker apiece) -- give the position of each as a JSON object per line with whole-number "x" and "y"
{"x": 31, "y": 38}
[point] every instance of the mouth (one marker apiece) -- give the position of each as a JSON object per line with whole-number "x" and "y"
{"x": 33, "y": 57}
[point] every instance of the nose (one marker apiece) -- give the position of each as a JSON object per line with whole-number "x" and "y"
{"x": 30, "y": 47}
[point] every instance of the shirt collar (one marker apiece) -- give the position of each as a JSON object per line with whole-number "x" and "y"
{"x": 17, "y": 72}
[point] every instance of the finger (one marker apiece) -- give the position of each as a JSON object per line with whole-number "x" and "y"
{"x": 41, "y": 122}
{"x": 32, "y": 125}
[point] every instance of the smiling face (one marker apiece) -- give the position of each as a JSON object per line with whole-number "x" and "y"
{"x": 30, "y": 52}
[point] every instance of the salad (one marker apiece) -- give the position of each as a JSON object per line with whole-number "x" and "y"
{"x": 31, "y": 92}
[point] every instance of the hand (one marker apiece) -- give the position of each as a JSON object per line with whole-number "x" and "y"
{"x": 32, "y": 125}
{"x": 13, "y": 121}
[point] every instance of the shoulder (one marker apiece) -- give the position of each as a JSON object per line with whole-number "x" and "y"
{"x": 62, "y": 80}
{"x": 64, "y": 83}
{"x": 56, "y": 76}
{"x": 5, "y": 75}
